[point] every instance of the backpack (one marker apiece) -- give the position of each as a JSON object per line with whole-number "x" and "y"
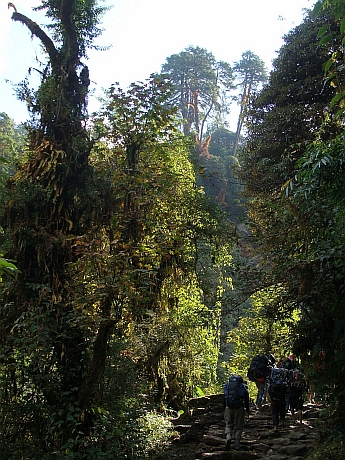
{"x": 259, "y": 368}
{"x": 234, "y": 392}
{"x": 298, "y": 381}
{"x": 277, "y": 388}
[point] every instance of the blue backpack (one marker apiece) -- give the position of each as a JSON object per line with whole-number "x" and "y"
{"x": 234, "y": 392}
{"x": 278, "y": 383}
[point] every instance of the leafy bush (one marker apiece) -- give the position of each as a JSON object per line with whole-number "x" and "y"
{"x": 155, "y": 430}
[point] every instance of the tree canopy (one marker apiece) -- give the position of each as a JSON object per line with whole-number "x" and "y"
{"x": 250, "y": 73}
{"x": 201, "y": 87}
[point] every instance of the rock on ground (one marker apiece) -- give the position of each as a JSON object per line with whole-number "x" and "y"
{"x": 200, "y": 435}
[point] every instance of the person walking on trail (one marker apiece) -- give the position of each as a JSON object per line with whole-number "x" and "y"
{"x": 277, "y": 391}
{"x": 259, "y": 369}
{"x": 236, "y": 401}
{"x": 297, "y": 389}
{"x": 289, "y": 363}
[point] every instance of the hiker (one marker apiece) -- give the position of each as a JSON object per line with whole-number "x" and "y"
{"x": 277, "y": 391}
{"x": 236, "y": 401}
{"x": 259, "y": 369}
{"x": 288, "y": 363}
{"x": 297, "y": 389}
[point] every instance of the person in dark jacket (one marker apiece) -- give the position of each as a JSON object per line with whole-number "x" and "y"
{"x": 297, "y": 389}
{"x": 234, "y": 414}
{"x": 277, "y": 395}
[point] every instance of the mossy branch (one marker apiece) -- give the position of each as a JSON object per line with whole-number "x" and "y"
{"x": 36, "y": 30}
{"x": 66, "y": 10}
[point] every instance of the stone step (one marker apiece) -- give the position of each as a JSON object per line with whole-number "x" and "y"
{"x": 201, "y": 434}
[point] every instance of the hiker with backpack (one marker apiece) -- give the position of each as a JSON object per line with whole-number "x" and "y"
{"x": 236, "y": 401}
{"x": 277, "y": 391}
{"x": 289, "y": 363}
{"x": 297, "y": 389}
{"x": 259, "y": 369}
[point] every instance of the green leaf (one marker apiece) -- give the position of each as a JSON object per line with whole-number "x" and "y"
{"x": 200, "y": 392}
{"x": 340, "y": 113}
{"x": 328, "y": 65}
{"x": 7, "y": 267}
{"x": 336, "y": 99}
{"x": 316, "y": 10}
{"x": 327, "y": 39}
{"x": 322, "y": 31}
{"x": 342, "y": 26}
{"x": 329, "y": 78}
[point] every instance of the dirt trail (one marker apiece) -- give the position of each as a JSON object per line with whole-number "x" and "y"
{"x": 201, "y": 434}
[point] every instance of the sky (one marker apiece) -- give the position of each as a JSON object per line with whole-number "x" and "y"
{"x": 143, "y": 33}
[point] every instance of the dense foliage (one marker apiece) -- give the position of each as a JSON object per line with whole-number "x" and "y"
{"x": 122, "y": 263}
{"x": 293, "y": 170}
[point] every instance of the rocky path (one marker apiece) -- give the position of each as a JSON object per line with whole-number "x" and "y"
{"x": 201, "y": 434}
